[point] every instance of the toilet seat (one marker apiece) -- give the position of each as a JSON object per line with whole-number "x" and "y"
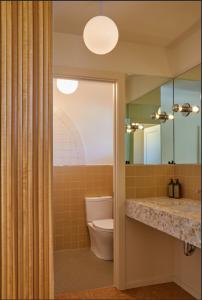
{"x": 105, "y": 225}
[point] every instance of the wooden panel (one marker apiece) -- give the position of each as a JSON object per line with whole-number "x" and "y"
{"x": 26, "y": 257}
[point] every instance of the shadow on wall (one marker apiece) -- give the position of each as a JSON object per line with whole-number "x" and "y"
{"x": 68, "y": 148}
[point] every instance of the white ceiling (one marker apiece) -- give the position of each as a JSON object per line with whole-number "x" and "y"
{"x": 151, "y": 22}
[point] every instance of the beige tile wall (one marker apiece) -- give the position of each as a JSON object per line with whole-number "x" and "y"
{"x": 151, "y": 181}
{"x": 70, "y": 185}
{"x": 147, "y": 181}
{"x": 190, "y": 178}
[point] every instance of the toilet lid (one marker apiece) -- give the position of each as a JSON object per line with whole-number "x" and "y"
{"x": 106, "y": 224}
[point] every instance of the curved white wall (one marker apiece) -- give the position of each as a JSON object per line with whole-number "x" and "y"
{"x": 83, "y": 124}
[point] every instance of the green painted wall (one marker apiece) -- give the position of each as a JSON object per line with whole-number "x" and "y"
{"x": 141, "y": 113}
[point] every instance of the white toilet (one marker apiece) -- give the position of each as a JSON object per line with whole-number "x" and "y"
{"x": 100, "y": 225}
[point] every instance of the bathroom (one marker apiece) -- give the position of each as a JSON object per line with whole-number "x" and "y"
{"x": 100, "y": 178}
{"x": 151, "y": 158}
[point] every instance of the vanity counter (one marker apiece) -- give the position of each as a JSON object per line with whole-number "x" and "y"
{"x": 180, "y": 218}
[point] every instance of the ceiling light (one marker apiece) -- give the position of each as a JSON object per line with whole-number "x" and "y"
{"x": 100, "y": 35}
{"x": 67, "y": 86}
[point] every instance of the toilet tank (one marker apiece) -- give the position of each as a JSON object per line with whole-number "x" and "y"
{"x": 98, "y": 208}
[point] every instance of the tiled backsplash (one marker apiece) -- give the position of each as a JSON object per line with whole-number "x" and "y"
{"x": 70, "y": 185}
{"x": 152, "y": 180}
{"x": 147, "y": 180}
{"x": 190, "y": 178}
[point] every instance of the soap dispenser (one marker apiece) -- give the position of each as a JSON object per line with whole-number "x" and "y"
{"x": 171, "y": 189}
{"x": 177, "y": 189}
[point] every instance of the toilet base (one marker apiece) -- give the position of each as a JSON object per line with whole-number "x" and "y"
{"x": 101, "y": 242}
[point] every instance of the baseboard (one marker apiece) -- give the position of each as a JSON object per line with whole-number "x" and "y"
{"x": 189, "y": 289}
{"x": 149, "y": 281}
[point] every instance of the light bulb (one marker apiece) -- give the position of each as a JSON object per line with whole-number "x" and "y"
{"x": 159, "y": 111}
{"x": 140, "y": 127}
{"x": 67, "y": 86}
{"x": 180, "y": 108}
{"x": 100, "y": 35}
{"x": 195, "y": 109}
{"x": 157, "y": 116}
{"x": 170, "y": 117}
{"x": 128, "y": 130}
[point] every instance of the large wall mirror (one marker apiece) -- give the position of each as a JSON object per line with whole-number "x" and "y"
{"x": 163, "y": 119}
{"x": 187, "y": 125}
{"x": 152, "y": 141}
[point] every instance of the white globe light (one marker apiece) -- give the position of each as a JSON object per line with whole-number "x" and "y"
{"x": 67, "y": 86}
{"x": 100, "y": 35}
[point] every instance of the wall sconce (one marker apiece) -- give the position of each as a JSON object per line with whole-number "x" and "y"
{"x": 185, "y": 109}
{"x": 133, "y": 127}
{"x": 162, "y": 116}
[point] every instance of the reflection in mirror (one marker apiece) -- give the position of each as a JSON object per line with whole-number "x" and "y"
{"x": 153, "y": 144}
{"x": 187, "y": 133}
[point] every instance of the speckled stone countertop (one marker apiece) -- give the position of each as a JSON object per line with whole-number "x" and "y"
{"x": 180, "y": 218}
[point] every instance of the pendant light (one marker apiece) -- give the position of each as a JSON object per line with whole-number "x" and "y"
{"x": 100, "y": 35}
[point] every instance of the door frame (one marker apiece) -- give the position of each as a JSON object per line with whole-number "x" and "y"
{"x": 118, "y": 79}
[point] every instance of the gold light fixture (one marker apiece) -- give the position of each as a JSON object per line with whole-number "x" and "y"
{"x": 162, "y": 116}
{"x": 185, "y": 109}
{"x": 133, "y": 127}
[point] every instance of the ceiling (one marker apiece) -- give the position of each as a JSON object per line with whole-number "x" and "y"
{"x": 152, "y": 97}
{"x": 150, "y": 22}
{"x": 193, "y": 74}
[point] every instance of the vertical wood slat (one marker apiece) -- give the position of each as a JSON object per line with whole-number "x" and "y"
{"x": 19, "y": 153}
{"x": 3, "y": 154}
{"x": 40, "y": 151}
{"x": 26, "y": 264}
{"x": 50, "y": 145}
{"x": 46, "y": 144}
{"x": 14, "y": 141}
{"x": 35, "y": 145}
{"x": 10, "y": 248}
{"x": 24, "y": 148}
{"x": 30, "y": 150}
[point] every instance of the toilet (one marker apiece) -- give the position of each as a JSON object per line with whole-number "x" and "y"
{"x": 100, "y": 225}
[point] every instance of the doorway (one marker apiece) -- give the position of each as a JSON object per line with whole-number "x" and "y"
{"x": 83, "y": 157}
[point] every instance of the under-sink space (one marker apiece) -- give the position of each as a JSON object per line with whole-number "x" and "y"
{"x": 154, "y": 257}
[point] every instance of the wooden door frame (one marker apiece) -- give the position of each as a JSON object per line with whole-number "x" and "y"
{"x": 118, "y": 80}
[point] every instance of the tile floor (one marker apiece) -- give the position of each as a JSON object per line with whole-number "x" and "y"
{"x": 166, "y": 291}
{"x": 79, "y": 270}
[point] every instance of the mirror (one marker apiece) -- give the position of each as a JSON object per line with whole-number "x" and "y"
{"x": 153, "y": 144}
{"x": 187, "y": 129}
